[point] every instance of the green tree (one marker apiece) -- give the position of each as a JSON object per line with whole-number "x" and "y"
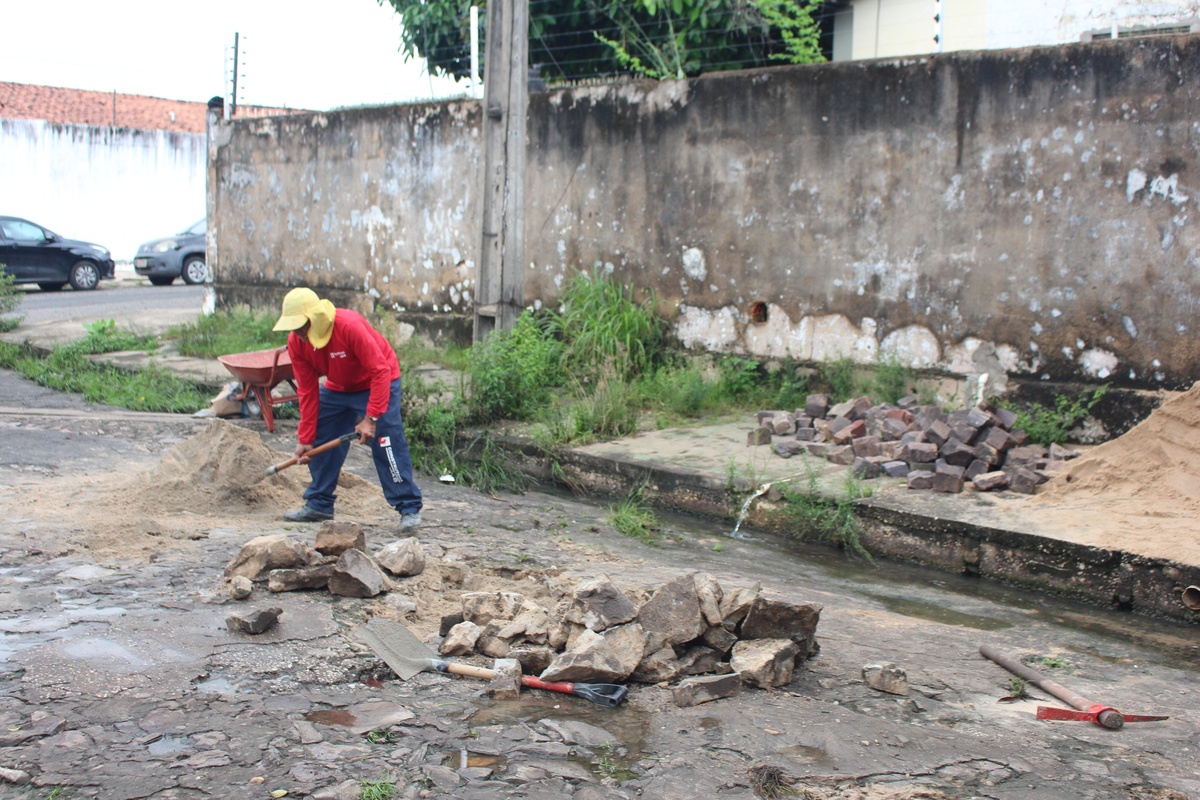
{"x": 653, "y": 38}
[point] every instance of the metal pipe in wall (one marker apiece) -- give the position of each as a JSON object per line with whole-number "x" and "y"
{"x": 1191, "y": 598}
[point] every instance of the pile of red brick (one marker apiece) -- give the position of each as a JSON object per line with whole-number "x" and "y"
{"x": 932, "y": 449}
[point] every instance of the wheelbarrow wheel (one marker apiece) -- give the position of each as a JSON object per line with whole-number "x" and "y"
{"x": 250, "y": 407}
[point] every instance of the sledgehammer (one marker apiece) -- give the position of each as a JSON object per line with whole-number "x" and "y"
{"x": 345, "y": 438}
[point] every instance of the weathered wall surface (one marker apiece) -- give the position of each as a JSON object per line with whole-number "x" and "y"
{"x": 377, "y": 201}
{"x": 117, "y": 187}
{"x": 1026, "y": 212}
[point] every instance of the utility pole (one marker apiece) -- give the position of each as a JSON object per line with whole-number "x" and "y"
{"x": 500, "y": 284}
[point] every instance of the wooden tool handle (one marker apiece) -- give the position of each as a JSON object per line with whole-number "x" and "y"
{"x": 1045, "y": 684}
{"x": 294, "y": 460}
{"x": 470, "y": 671}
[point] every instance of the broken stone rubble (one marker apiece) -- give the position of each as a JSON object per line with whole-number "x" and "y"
{"x": 930, "y": 448}
{"x": 689, "y": 626}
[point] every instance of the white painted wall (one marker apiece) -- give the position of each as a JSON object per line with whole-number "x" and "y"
{"x": 890, "y": 28}
{"x": 116, "y": 187}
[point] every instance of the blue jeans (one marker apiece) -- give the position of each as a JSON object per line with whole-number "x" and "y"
{"x": 337, "y": 414}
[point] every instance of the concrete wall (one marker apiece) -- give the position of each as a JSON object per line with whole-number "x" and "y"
{"x": 1026, "y": 212}
{"x": 116, "y": 187}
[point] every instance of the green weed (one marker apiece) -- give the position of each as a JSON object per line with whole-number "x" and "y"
{"x": 600, "y": 324}
{"x": 1052, "y": 425}
{"x": 381, "y": 736}
{"x": 1054, "y": 662}
{"x": 683, "y": 391}
{"x": 890, "y": 380}
{"x": 633, "y": 518}
{"x": 739, "y": 377}
{"x": 1016, "y": 689}
{"x": 513, "y": 372}
{"x": 839, "y": 378}
{"x": 808, "y": 514}
{"x": 10, "y": 300}
{"x": 233, "y": 330}
{"x": 382, "y": 788}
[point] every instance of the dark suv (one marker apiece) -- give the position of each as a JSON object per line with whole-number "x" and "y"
{"x": 33, "y": 254}
{"x": 181, "y": 255}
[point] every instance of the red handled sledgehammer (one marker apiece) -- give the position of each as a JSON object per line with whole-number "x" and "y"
{"x": 1084, "y": 710}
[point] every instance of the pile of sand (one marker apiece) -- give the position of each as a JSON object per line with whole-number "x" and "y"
{"x": 212, "y": 480}
{"x": 1156, "y": 463}
{"x": 1139, "y": 492}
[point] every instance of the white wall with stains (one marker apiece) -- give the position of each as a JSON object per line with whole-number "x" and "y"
{"x": 116, "y": 187}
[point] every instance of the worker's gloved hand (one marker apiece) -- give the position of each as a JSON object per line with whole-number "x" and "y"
{"x": 301, "y": 449}
{"x": 365, "y": 430}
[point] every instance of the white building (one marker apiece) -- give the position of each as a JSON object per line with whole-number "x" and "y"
{"x": 890, "y": 28}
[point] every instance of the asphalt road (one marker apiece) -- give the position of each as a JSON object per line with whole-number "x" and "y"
{"x": 113, "y": 300}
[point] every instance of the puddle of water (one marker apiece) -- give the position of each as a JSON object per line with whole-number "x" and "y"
{"x": 815, "y": 756}
{"x": 933, "y": 612}
{"x": 628, "y": 725}
{"x": 333, "y": 716}
{"x": 216, "y": 686}
{"x": 461, "y": 759}
{"x": 169, "y": 744}
{"x": 103, "y": 651}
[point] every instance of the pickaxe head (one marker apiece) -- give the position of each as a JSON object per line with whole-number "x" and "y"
{"x": 1104, "y": 716}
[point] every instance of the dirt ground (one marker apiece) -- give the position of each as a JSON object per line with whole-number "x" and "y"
{"x": 164, "y": 504}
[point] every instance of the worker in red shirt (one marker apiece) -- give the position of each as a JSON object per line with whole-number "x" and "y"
{"x": 361, "y": 393}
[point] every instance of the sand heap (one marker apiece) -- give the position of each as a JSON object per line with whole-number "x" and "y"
{"x": 211, "y": 480}
{"x": 1156, "y": 464}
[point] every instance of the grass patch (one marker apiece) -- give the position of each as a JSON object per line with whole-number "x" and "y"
{"x": 633, "y": 518}
{"x": 1053, "y": 425}
{"x": 10, "y": 300}
{"x": 600, "y": 324}
{"x": 234, "y": 330}
{"x": 381, "y": 788}
{"x": 809, "y": 514}
{"x": 68, "y": 369}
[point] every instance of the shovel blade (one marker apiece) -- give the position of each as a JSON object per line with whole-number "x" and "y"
{"x": 399, "y": 648}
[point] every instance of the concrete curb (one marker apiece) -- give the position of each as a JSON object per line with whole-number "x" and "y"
{"x": 1110, "y": 578}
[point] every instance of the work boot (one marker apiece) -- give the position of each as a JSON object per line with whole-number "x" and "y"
{"x": 410, "y": 522}
{"x": 307, "y": 513}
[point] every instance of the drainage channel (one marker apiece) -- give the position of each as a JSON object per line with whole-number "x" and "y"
{"x": 919, "y": 592}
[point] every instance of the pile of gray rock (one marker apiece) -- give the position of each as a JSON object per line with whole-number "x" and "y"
{"x": 707, "y": 640}
{"x": 691, "y": 632}
{"x": 931, "y": 448}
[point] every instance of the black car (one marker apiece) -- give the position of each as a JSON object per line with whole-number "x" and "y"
{"x": 181, "y": 255}
{"x": 33, "y": 254}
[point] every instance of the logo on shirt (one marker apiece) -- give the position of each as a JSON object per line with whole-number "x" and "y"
{"x": 385, "y": 441}
{"x": 337, "y": 354}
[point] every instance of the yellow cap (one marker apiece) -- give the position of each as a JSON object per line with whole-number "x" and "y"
{"x": 302, "y": 305}
{"x": 297, "y": 305}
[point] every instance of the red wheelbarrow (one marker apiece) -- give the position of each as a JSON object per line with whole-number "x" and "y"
{"x": 260, "y": 371}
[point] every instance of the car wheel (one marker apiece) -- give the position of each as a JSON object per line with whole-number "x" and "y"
{"x": 51, "y": 287}
{"x": 162, "y": 280}
{"x": 84, "y": 275}
{"x": 194, "y": 270}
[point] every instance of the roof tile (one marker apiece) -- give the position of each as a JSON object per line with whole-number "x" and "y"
{"x": 82, "y": 107}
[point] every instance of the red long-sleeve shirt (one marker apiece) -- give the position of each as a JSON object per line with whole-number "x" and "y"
{"x": 357, "y": 358}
